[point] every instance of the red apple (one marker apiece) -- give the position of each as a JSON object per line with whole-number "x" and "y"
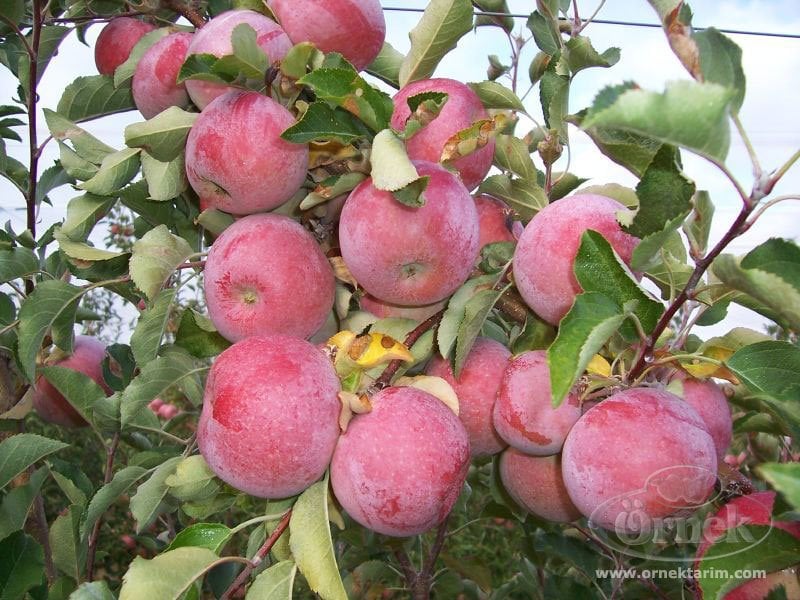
{"x": 496, "y": 221}
{"x": 115, "y": 42}
{"x": 154, "y": 80}
{"x": 708, "y": 399}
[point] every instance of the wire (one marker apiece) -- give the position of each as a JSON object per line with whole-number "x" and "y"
{"x": 612, "y": 22}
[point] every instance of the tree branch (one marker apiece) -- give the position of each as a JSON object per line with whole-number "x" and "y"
{"x": 411, "y": 339}
{"x": 186, "y": 10}
{"x": 111, "y": 453}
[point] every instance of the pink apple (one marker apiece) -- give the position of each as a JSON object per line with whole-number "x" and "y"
{"x": 236, "y": 160}
{"x": 265, "y": 274}
{"x": 708, "y": 399}
{"x": 496, "y": 221}
{"x": 115, "y": 42}
{"x": 154, "y": 80}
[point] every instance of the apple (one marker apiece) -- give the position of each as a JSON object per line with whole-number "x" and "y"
{"x": 270, "y": 415}
{"x": 115, "y": 42}
{"x": 154, "y": 80}
{"x": 638, "y": 457}
{"x": 708, "y": 399}
{"x": 410, "y": 256}
{"x": 462, "y": 109}
{"x": 384, "y": 310}
{"x": 399, "y": 469}
{"x": 237, "y": 161}
{"x": 215, "y": 38}
{"x": 87, "y": 358}
{"x": 545, "y": 253}
{"x": 496, "y": 221}
{"x": 265, "y": 274}
{"x": 353, "y": 28}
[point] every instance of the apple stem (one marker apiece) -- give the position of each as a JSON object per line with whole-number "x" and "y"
{"x": 259, "y": 557}
{"x": 391, "y": 369}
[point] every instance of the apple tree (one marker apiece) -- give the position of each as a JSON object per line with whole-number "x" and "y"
{"x": 386, "y": 341}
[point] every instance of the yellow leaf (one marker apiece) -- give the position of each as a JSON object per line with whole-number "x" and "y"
{"x": 435, "y": 386}
{"x": 599, "y": 366}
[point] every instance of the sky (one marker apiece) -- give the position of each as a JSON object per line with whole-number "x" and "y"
{"x": 771, "y": 111}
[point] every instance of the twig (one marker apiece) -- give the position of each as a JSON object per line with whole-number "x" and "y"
{"x": 33, "y": 145}
{"x": 751, "y": 151}
{"x": 111, "y": 453}
{"x": 411, "y": 339}
{"x": 778, "y": 174}
{"x": 258, "y": 558}
{"x": 187, "y": 11}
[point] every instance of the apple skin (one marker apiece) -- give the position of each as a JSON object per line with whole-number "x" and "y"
{"x": 476, "y": 388}
{"x": 708, "y": 399}
{"x": 545, "y": 253}
{"x": 410, "y": 256}
{"x": 640, "y": 455}
{"x": 270, "y": 416}
{"x": 236, "y": 160}
{"x": 753, "y": 509}
{"x": 353, "y": 28}
{"x": 115, "y": 42}
{"x": 265, "y": 274}
{"x": 87, "y": 358}
{"x": 215, "y": 38}
{"x": 462, "y": 109}
{"x": 535, "y": 483}
{"x": 523, "y": 413}
{"x": 399, "y": 469}
{"x": 495, "y": 219}
{"x": 154, "y": 80}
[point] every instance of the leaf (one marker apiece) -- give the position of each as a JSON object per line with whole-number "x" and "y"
{"x": 108, "y": 495}
{"x": 17, "y": 503}
{"x": 784, "y": 477}
{"x": 85, "y": 144}
{"x": 599, "y": 269}
{"x": 167, "y": 576}
{"x": 495, "y": 95}
{"x": 744, "y": 549}
{"x": 392, "y": 169}
{"x": 50, "y": 307}
{"x": 579, "y": 54}
{"x": 94, "y": 96}
{"x": 116, "y": 171}
{"x": 193, "y": 480}
{"x": 443, "y": 23}
{"x": 251, "y": 60}
{"x": 321, "y": 122}
{"x": 81, "y": 391}
{"x": 721, "y": 62}
{"x": 447, "y": 332}
{"x": 22, "y": 450}
{"x": 688, "y": 114}
{"x": 146, "y": 338}
{"x": 95, "y": 590}
{"x": 17, "y": 262}
{"x": 203, "y": 67}
{"x": 554, "y": 96}
{"x": 155, "y": 257}
{"x": 274, "y": 583}
{"x": 198, "y": 336}
{"x": 545, "y": 34}
{"x": 697, "y": 226}
{"x": 311, "y": 543}
{"x": 771, "y": 368}
{"x": 512, "y": 154}
{"x": 13, "y": 11}
{"x": 68, "y": 554}
{"x": 476, "y": 311}
{"x": 386, "y": 65}
{"x": 212, "y": 536}
{"x": 145, "y": 503}
{"x": 164, "y": 136}
{"x": 165, "y": 180}
{"x": 81, "y": 251}
{"x": 525, "y": 196}
{"x": 21, "y": 565}
{"x": 588, "y": 325}
{"x": 123, "y": 74}
{"x": 155, "y": 378}
{"x": 51, "y": 179}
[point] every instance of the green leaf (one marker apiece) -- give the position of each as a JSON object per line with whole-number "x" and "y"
{"x": 146, "y": 338}
{"x": 386, "y": 65}
{"x": 275, "y": 583}
{"x": 442, "y": 25}
{"x": 155, "y": 257}
{"x": 198, "y": 336}
{"x": 784, "y": 477}
{"x": 21, "y": 565}
{"x": 155, "y": 378}
{"x": 323, "y": 123}
{"x": 311, "y": 543}
{"x": 698, "y": 225}
{"x": 392, "y": 169}
{"x": 599, "y": 269}
{"x": 512, "y": 154}
{"x": 535, "y": 335}
{"x": 76, "y": 167}
{"x": 22, "y": 450}
{"x": 17, "y": 262}
{"x": 146, "y": 502}
{"x": 202, "y": 67}
{"x": 82, "y": 251}
{"x": 167, "y": 576}
{"x": 95, "y": 590}
{"x": 94, "y": 96}
{"x": 525, "y": 196}
{"x": 495, "y": 95}
{"x": 345, "y": 88}
{"x": 588, "y": 325}
{"x": 123, "y": 74}
{"x": 193, "y": 480}
{"x": 108, "y": 495}
{"x": 579, "y": 54}
{"x": 68, "y": 553}
{"x": 212, "y": 536}
{"x": 721, "y": 62}
{"x": 85, "y": 144}
{"x": 653, "y": 252}
{"x": 564, "y": 183}
{"x": 50, "y": 179}
{"x": 476, "y": 311}
{"x": 554, "y": 96}
{"x": 746, "y": 548}
{"x": 165, "y": 180}
{"x": 250, "y": 59}
{"x": 13, "y": 11}
{"x": 770, "y": 368}
{"x": 116, "y": 171}
{"x": 17, "y": 503}
{"x": 545, "y": 34}
{"x": 447, "y": 332}
{"x": 164, "y": 136}
{"x": 81, "y": 391}
{"x": 50, "y": 307}
{"x": 688, "y": 114}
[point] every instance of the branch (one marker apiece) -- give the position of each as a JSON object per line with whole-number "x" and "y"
{"x": 411, "y": 339}
{"x": 33, "y": 145}
{"x": 111, "y": 453}
{"x": 186, "y": 10}
{"x": 258, "y": 558}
